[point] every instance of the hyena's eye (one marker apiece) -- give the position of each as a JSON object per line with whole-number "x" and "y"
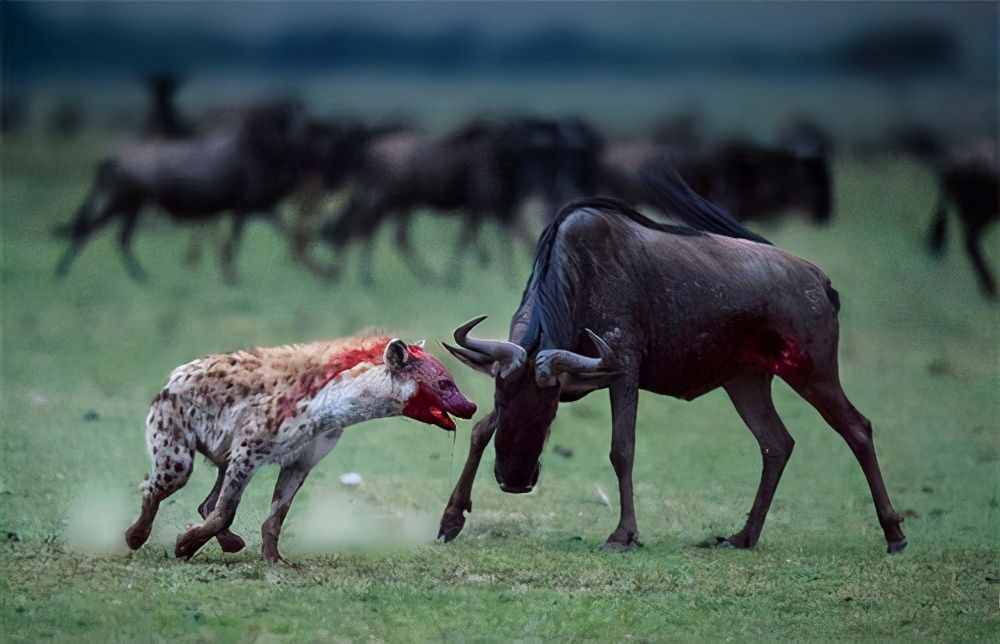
{"x": 446, "y": 385}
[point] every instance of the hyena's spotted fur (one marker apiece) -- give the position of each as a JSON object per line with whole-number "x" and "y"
{"x": 285, "y": 405}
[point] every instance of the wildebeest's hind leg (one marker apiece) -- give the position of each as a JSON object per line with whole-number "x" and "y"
{"x": 466, "y": 239}
{"x": 973, "y": 239}
{"x": 228, "y": 540}
{"x": 131, "y": 218}
{"x": 81, "y": 229}
{"x": 227, "y": 255}
{"x": 460, "y": 502}
{"x": 238, "y": 473}
{"x": 413, "y": 261}
{"x": 751, "y": 395}
{"x": 938, "y": 233}
{"x": 827, "y": 396}
{"x": 624, "y": 402}
{"x": 172, "y": 451}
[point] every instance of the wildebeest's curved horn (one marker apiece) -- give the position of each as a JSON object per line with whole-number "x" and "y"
{"x": 556, "y": 366}
{"x": 491, "y": 356}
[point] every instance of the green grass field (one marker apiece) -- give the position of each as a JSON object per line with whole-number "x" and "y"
{"x": 82, "y": 358}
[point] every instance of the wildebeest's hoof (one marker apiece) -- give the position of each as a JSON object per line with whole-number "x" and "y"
{"x": 230, "y": 542}
{"x": 896, "y": 547}
{"x": 621, "y": 543}
{"x": 734, "y": 542}
{"x": 452, "y": 523}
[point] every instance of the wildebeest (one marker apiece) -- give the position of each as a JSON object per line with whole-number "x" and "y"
{"x": 972, "y": 187}
{"x": 754, "y": 182}
{"x": 286, "y": 405}
{"x": 482, "y": 171}
{"x": 244, "y": 168}
{"x": 163, "y": 120}
{"x": 13, "y": 113}
{"x": 758, "y": 182}
{"x": 66, "y": 118}
{"x": 618, "y": 301}
{"x": 471, "y": 172}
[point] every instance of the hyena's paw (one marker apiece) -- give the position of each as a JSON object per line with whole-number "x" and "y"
{"x": 230, "y": 542}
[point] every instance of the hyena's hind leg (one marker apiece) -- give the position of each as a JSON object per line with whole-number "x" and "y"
{"x": 242, "y": 464}
{"x": 171, "y": 447}
{"x": 228, "y": 540}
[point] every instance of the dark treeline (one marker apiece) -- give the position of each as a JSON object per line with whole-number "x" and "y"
{"x": 34, "y": 44}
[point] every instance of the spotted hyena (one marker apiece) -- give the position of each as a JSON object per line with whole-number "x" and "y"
{"x": 285, "y": 405}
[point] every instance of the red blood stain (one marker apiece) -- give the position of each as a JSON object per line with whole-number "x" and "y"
{"x": 779, "y": 355}
{"x": 309, "y": 384}
{"x": 426, "y": 406}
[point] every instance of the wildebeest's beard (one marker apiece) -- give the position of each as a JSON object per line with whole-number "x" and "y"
{"x": 525, "y": 413}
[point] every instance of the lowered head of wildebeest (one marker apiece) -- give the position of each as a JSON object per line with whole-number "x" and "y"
{"x": 529, "y": 386}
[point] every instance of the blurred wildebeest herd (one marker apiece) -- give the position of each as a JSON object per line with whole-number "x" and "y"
{"x": 255, "y": 160}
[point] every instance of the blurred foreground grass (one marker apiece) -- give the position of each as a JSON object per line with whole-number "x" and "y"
{"x": 81, "y": 359}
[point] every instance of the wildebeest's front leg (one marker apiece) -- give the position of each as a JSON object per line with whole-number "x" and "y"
{"x": 289, "y": 481}
{"x": 453, "y": 519}
{"x": 624, "y": 401}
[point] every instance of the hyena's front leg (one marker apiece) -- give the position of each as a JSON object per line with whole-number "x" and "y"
{"x": 228, "y": 540}
{"x": 289, "y": 481}
{"x": 241, "y": 468}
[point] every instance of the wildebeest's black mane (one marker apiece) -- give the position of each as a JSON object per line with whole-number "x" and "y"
{"x": 550, "y": 319}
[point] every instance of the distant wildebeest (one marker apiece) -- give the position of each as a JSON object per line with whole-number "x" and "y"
{"x": 66, "y": 119}
{"x": 618, "y": 301}
{"x": 163, "y": 120}
{"x": 972, "y": 187}
{"x": 337, "y": 149}
{"x": 759, "y": 182}
{"x": 754, "y": 182}
{"x": 286, "y": 405}
{"x": 13, "y": 113}
{"x": 482, "y": 171}
{"x": 241, "y": 169}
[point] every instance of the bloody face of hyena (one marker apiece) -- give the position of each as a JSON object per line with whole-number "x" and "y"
{"x": 436, "y": 397}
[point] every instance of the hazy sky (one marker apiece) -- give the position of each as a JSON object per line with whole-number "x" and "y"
{"x": 686, "y": 23}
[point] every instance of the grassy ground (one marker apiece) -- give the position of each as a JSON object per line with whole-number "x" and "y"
{"x": 81, "y": 359}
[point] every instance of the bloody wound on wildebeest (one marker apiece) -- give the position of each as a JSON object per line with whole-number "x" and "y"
{"x": 616, "y": 300}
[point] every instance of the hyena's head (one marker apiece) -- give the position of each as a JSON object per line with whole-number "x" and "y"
{"x": 430, "y": 390}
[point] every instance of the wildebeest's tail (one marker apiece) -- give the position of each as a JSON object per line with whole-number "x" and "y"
{"x": 665, "y": 189}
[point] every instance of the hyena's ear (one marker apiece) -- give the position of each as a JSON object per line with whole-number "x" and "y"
{"x": 396, "y": 354}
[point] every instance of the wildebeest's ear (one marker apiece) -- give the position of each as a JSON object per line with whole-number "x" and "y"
{"x": 478, "y": 361}
{"x": 396, "y": 354}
